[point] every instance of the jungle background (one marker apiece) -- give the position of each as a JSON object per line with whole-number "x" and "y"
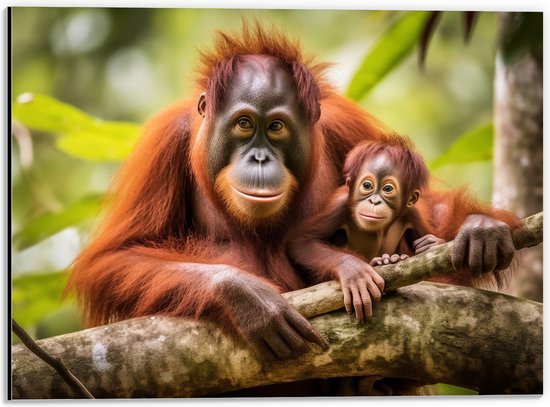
{"x": 84, "y": 79}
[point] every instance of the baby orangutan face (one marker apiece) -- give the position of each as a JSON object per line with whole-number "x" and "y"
{"x": 377, "y": 197}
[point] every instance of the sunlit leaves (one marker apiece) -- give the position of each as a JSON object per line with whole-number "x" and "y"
{"x": 48, "y": 224}
{"x": 472, "y": 146}
{"x": 35, "y": 295}
{"x": 81, "y": 135}
{"x": 392, "y": 48}
{"x": 447, "y": 389}
{"x": 107, "y": 142}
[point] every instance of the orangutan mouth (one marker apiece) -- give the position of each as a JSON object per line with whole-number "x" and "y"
{"x": 260, "y": 195}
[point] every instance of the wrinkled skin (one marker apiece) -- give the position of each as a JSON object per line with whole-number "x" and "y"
{"x": 260, "y": 147}
{"x": 266, "y": 320}
{"x": 361, "y": 285}
{"x": 425, "y": 242}
{"x": 482, "y": 245}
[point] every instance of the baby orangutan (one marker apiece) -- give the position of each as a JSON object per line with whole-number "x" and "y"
{"x": 373, "y": 216}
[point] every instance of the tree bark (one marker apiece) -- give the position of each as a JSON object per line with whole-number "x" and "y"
{"x": 428, "y": 332}
{"x": 431, "y": 333}
{"x": 518, "y": 147}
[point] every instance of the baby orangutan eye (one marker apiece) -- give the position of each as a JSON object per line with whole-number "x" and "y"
{"x": 244, "y": 123}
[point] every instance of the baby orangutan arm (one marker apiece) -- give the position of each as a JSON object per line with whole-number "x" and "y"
{"x": 360, "y": 283}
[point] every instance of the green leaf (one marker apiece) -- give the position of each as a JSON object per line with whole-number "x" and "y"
{"x": 48, "y": 224}
{"x": 474, "y": 145}
{"x": 392, "y": 48}
{"x": 59, "y": 321}
{"x": 44, "y": 113}
{"x": 107, "y": 142}
{"x": 82, "y": 135}
{"x": 35, "y": 295}
{"x": 450, "y": 390}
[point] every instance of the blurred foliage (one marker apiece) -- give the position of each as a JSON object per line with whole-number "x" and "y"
{"x": 391, "y": 49}
{"x": 123, "y": 65}
{"x": 46, "y": 225}
{"x": 36, "y": 295}
{"x": 474, "y": 145}
{"x": 82, "y": 135}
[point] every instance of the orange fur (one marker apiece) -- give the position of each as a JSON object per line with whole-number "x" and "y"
{"x": 164, "y": 219}
{"x": 163, "y": 212}
{"x": 219, "y": 64}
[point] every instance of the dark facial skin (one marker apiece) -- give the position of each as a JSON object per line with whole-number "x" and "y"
{"x": 260, "y": 144}
{"x": 378, "y": 196}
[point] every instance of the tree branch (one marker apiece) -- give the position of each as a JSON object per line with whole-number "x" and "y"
{"x": 53, "y": 361}
{"x": 429, "y": 332}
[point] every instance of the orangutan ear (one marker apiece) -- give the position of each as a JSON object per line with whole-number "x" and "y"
{"x": 201, "y": 106}
{"x": 413, "y": 199}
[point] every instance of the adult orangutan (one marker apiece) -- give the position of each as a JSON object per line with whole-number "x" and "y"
{"x": 200, "y": 213}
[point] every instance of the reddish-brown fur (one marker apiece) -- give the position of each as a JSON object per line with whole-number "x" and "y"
{"x": 439, "y": 213}
{"x": 163, "y": 212}
{"x": 323, "y": 260}
{"x": 413, "y": 173}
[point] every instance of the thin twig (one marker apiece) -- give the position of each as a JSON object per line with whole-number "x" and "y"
{"x": 53, "y": 361}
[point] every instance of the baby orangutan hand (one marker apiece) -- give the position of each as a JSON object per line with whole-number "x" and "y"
{"x": 360, "y": 285}
{"x": 387, "y": 259}
{"x": 425, "y": 242}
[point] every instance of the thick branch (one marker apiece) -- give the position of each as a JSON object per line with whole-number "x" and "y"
{"x": 427, "y": 332}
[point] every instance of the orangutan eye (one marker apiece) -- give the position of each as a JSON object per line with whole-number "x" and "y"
{"x": 244, "y": 123}
{"x": 277, "y": 125}
{"x": 277, "y": 131}
{"x": 367, "y": 185}
{"x": 388, "y": 188}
